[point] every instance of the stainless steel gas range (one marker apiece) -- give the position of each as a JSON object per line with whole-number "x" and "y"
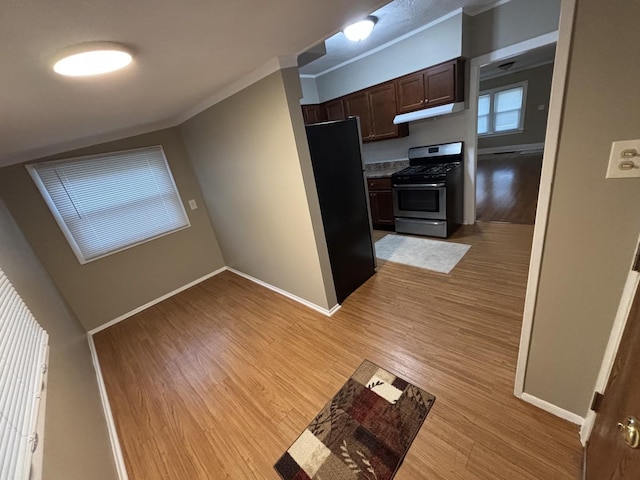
{"x": 428, "y": 195}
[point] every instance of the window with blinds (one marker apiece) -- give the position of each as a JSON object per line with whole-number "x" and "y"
{"x": 23, "y": 358}
{"x": 107, "y": 203}
{"x": 501, "y": 110}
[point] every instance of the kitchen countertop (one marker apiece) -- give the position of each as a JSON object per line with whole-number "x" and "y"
{"x": 384, "y": 169}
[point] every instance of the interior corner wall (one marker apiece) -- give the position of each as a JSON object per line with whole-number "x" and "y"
{"x": 511, "y": 23}
{"x": 593, "y": 222}
{"x": 535, "y": 120}
{"x": 291, "y": 81}
{"x": 436, "y": 44}
{"x": 245, "y": 154}
{"x": 107, "y": 288}
{"x": 309, "y": 91}
{"x": 76, "y": 442}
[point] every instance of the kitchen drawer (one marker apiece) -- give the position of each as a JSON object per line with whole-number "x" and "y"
{"x": 379, "y": 183}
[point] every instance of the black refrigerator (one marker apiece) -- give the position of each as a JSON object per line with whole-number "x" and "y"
{"x": 337, "y": 166}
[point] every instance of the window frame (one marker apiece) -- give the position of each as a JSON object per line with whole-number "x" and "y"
{"x": 491, "y": 92}
{"x": 32, "y": 169}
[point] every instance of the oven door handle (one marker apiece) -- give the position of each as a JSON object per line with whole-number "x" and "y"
{"x": 414, "y": 186}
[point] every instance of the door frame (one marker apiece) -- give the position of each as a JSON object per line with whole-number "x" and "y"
{"x": 617, "y": 331}
{"x": 471, "y": 144}
{"x": 563, "y": 37}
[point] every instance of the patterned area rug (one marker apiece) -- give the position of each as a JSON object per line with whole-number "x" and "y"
{"x": 421, "y": 252}
{"x": 364, "y": 432}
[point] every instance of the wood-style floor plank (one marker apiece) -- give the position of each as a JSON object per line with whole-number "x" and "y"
{"x": 217, "y": 381}
{"x": 507, "y": 187}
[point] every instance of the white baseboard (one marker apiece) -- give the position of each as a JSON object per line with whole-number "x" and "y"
{"x": 324, "y": 311}
{"x": 587, "y": 427}
{"x": 111, "y": 426}
{"x": 155, "y": 301}
{"x": 554, "y": 409}
{"x": 525, "y": 147}
{"x": 307, "y": 303}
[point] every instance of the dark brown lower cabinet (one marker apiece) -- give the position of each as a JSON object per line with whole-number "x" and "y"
{"x": 381, "y": 202}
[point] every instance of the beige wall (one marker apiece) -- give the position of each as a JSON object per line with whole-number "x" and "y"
{"x": 293, "y": 91}
{"x": 254, "y": 174}
{"x": 107, "y": 288}
{"x": 76, "y": 443}
{"x": 535, "y": 121}
{"x": 511, "y": 23}
{"x": 593, "y": 222}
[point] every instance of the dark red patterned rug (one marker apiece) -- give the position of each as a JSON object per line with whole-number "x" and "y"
{"x": 364, "y": 432}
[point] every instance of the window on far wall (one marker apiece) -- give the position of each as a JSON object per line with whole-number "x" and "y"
{"x": 501, "y": 110}
{"x": 107, "y": 203}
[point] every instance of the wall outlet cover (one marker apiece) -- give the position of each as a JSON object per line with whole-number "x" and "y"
{"x": 624, "y": 165}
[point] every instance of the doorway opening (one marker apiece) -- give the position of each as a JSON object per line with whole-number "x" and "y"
{"x": 513, "y": 100}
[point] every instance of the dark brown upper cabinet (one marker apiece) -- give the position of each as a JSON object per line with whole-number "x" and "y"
{"x": 410, "y": 92}
{"x": 334, "y": 109}
{"x": 358, "y": 105}
{"x": 383, "y": 110}
{"x": 376, "y": 107}
{"x": 313, "y": 114}
{"x": 437, "y": 85}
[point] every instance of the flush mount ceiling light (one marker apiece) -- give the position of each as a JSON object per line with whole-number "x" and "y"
{"x": 506, "y": 66}
{"x": 360, "y": 30}
{"x": 93, "y": 59}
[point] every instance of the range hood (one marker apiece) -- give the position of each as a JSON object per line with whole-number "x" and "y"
{"x": 429, "y": 113}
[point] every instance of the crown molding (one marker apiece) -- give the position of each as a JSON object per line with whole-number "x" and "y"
{"x": 473, "y": 11}
{"x": 252, "y": 77}
{"x": 385, "y": 45}
{"x": 272, "y": 66}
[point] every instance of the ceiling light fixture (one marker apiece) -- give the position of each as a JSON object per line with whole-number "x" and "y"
{"x": 93, "y": 58}
{"x": 506, "y": 66}
{"x": 360, "y": 30}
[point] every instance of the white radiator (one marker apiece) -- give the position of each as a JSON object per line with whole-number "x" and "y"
{"x": 23, "y": 363}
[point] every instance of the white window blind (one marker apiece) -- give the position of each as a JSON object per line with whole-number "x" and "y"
{"x": 106, "y": 203}
{"x": 23, "y": 357}
{"x": 501, "y": 110}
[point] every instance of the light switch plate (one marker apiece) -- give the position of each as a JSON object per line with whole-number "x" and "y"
{"x": 192, "y": 204}
{"x": 627, "y": 165}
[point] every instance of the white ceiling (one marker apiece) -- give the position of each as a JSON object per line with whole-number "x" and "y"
{"x": 530, "y": 59}
{"x": 186, "y": 53}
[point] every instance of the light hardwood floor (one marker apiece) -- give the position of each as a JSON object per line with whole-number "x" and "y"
{"x": 219, "y": 380}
